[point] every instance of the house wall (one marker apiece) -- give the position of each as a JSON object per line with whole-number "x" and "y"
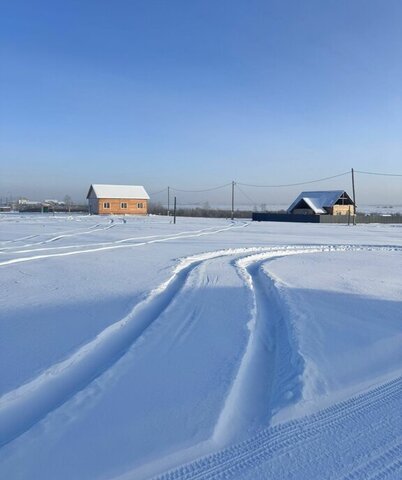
{"x": 93, "y": 206}
{"x": 341, "y": 210}
{"x": 115, "y": 206}
{"x": 93, "y": 203}
{"x": 335, "y": 210}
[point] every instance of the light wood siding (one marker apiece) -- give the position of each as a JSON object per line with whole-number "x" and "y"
{"x": 342, "y": 210}
{"x": 115, "y": 206}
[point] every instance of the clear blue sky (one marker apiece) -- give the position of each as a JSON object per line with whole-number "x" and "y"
{"x": 197, "y": 93}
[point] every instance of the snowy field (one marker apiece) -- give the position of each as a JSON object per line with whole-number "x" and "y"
{"x": 133, "y": 349}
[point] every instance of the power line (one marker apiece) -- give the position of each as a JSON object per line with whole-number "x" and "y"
{"x": 273, "y": 185}
{"x": 295, "y": 184}
{"x": 191, "y": 204}
{"x": 159, "y": 191}
{"x": 246, "y": 195}
{"x": 202, "y": 190}
{"x": 380, "y": 173}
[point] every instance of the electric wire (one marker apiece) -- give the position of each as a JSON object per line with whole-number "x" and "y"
{"x": 295, "y": 184}
{"x": 379, "y": 173}
{"x": 159, "y": 191}
{"x": 246, "y": 195}
{"x": 237, "y": 184}
{"x": 201, "y": 190}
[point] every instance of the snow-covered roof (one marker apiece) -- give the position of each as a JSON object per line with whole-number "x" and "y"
{"x": 119, "y": 191}
{"x": 314, "y": 205}
{"x": 319, "y": 200}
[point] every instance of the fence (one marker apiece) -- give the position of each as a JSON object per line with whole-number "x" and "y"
{"x": 340, "y": 219}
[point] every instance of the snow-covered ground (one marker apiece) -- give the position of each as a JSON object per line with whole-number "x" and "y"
{"x": 133, "y": 348}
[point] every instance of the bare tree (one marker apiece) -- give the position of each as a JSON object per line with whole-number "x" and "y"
{"x": 68, "y": 202}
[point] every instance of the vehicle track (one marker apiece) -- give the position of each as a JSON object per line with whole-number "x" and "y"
{"x": 27, "y": 237}
{"x": 98, "y": 244}
{"x": 62, "y": 381}
{"x": 282, "y": 439}
{"x": 268, "y": 368}
{"x": 374, "y": 464}
{"x": 392, "y": 470}
{"x": 46, "y": 234}
{"x": 60, "y": 236}
{"x": 114, "y": 246}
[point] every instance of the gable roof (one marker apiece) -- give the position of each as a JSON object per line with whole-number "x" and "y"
{"x": 313, "y": 204}
{"x": 119, "y": 191}
{"x": 318, "y": 200}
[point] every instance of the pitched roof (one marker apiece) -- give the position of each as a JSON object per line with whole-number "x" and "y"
{"x": 319, "y": 200}
{"x": 119, "y": 191}
{"x": 314, "y": 205}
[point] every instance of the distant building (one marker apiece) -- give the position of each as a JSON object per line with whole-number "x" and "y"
{"x": 53, "y": 202}
{"x": 330, "y": 202}
{"x": 117, "y": 199}
{"x": 25, "y": 201}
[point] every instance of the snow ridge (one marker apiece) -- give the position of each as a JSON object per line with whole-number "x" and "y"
{"x": 257, "y": 391}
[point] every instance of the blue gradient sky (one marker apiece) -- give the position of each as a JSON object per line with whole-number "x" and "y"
{"x": 197, "y": 93}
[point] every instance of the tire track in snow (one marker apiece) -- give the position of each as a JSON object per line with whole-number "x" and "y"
{"x": 114, "y": 247}
{"x": 247, "y": 401}
{"x": 280, "y": 439}
{"x": 251, "y": 398}
{"x": 58, "y": 237}
{"x": 101, "y": 244}
{"x": 21, "y": 408}
{"x": 19, "y": 239}
{"x": 286, "y": 437}
{"x": 42, "y": 235}
{"x": 394, "y": 469}
{"x": 377, "y": 463}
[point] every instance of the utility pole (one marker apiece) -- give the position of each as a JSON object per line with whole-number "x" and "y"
{"x": 354, "y": 195}
{"x": 174, "y": 211}
{"x": 232, "y": 213}
{"x": 168, "y": 209}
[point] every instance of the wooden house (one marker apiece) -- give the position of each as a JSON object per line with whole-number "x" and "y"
{"x": 117, "y": 199}
{"x": 330, "y": 202}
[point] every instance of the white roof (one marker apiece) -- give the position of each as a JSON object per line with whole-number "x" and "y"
{"x": 119, "y": 191}
{"x": 317, "y": 201}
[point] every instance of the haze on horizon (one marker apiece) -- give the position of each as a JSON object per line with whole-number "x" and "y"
{"x": 197, "y": 94}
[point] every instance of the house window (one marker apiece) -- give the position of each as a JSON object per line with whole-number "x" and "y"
{"x": 140, "y": 205}
{"x": 106, "y": 205}
{"x": 123, "y": 205}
